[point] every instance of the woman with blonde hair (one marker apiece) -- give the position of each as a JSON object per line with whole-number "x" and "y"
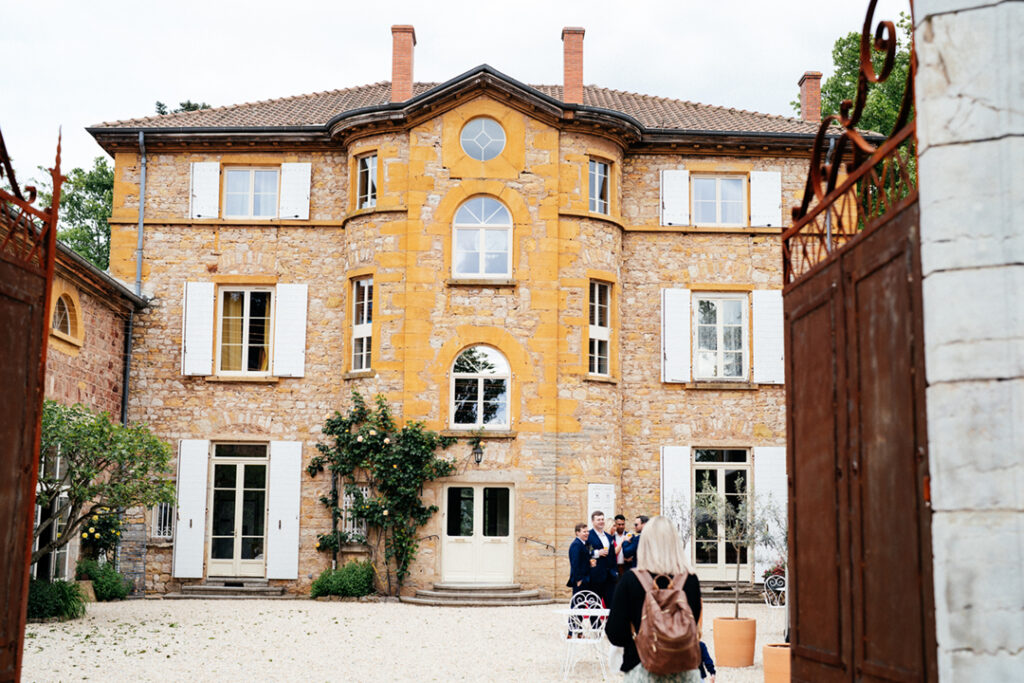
{"x": 661, "y": 553}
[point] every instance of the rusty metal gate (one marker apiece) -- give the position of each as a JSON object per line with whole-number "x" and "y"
{"x": 27, "y": 245}
{"x": 862, "y": 607}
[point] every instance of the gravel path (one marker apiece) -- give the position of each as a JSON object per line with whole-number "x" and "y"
{"x": 305, "y": 640}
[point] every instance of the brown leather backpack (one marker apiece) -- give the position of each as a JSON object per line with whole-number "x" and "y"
{"x": 667, "y": 640}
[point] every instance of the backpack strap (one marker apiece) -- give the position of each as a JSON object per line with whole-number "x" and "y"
{"x": 679, "y": 579}
{"x": 644, "y": 577}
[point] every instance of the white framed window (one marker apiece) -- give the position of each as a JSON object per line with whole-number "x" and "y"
{"x": 600, "y": 327}
{"x": 719, "y": 200}
{"x": 482, "y": 238}
{"x": 244, "y": 318}
{"x": 720, "y": 481}
{"x": 482, "y": 138}
{"x": 63, "y": 312}
{"x": 598, "y": 186}
{"x": 480, "y": 389}
{"x": 349, "y": 525}
{"x": 720, "y": 331}
{"x": 250, "y": 192}
{"x": 366, "y": 196}
{"x": 362, "y": 322}
{"x": 162, "y": 521}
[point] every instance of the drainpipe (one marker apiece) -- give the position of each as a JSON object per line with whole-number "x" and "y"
{"x": 828, "y": 214}
{"x": 128, "y": 327}
{"x": 142, "y": 214}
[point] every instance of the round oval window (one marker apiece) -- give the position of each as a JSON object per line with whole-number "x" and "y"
{"x": 482, "y": 139}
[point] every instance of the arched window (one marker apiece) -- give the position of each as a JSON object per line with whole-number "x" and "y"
{"x": 482, "y": 239}
{"x": 64, "y": 318}
{"x": 480, "y": 389}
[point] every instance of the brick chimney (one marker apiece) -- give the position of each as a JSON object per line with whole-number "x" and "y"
{"x": 403, "y": 39}
{"x": 810, "y": 96}
{"x": 572, "y": 39}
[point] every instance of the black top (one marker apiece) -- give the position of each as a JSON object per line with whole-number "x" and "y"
{"x": 628, "y": 604}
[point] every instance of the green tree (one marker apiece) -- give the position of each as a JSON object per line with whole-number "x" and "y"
{"x": 91, "y": 467}
{"x": 883, "y": 102}
{"x": 187, "y": 105}
{"x": 86, "y": 199}
{"x": 369, "y": 448}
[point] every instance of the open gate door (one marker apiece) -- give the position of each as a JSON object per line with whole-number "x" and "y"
{"x": 862, "y": 606}
{"x": 27, "y": 244}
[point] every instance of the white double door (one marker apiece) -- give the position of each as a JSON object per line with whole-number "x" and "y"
{"x": 477, "y": 539}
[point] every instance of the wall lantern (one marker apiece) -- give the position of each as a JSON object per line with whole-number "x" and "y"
{"x": 478, "y": 452}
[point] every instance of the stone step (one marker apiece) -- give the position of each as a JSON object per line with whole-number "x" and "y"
{"x": 474, "y": 603}
{"x": 228, "y": 596}
{"x": 216, "y": 589}
{"x": 723, "y": 591}
{"x": 484, "y": 596}
{"x": 484, "y": 587}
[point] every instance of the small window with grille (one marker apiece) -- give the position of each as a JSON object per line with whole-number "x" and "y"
{"x": 163, "y": 520}
{"x": 351, "y": 526}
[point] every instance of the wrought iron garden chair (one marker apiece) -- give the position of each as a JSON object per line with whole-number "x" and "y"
{"x": 586, "y": 633}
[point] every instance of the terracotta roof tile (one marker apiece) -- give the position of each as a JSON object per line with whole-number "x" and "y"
{"x": 316, "y": 109}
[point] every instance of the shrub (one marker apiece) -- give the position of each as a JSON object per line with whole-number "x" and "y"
{"x": 107, "y": 582}
{"x": 353, "y": 580}
{"x": 57, "y": 599}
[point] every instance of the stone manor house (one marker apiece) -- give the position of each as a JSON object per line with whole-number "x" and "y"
{"x": 590, "y": 276}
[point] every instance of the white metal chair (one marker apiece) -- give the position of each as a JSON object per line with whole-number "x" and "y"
{"x": 775, "y": 598}
{"x": 586, "y": 633}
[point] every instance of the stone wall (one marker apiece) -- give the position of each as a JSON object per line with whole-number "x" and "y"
{"x": 970, "y": 118}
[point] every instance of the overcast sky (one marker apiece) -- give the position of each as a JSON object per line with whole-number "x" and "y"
{"x": 73, "y": 63}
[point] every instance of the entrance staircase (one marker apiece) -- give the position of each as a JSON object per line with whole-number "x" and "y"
{"x": 478, "y": 595}
{"x": 229, "y": 589}
{"x": 723, "y": 591}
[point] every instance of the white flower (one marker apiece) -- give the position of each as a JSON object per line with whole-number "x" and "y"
{"x": 359, "y": 439}
{"x": 373, "y": 432}
{"x": 387, "y": 440}
{"x": 385, "y": 513}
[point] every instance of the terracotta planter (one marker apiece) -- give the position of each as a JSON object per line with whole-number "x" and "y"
{"x": 776, "y": 662}
{"x": 734, "y": 641}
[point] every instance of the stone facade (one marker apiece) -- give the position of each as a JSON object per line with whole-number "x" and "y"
{"x": 969, "y": 109}
{"x": 569, "y": 429}
{"x": 86, "y": 353}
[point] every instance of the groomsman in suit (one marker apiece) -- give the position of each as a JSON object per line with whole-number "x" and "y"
{"x": 632, "y": 542}
{"x": 580, "y": 561}
{"x": 604, "y": 573}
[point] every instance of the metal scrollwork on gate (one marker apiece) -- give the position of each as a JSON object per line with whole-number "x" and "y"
{"x": 27, "y": 233}
{"x": 879, "y": 180}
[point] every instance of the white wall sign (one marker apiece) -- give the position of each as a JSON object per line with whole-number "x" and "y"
{"x": 601, "y": 497}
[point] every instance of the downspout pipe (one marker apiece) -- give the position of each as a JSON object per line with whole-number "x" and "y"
{"x": 142, "y": 214}
{"x": 130, "y": 323}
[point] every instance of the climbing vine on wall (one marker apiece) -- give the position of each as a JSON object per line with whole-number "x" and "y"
{"x": 367, "y": 448}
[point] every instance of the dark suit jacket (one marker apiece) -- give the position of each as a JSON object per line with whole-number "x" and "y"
{"x": 579, "y": 563}
{"x": 606, "y": 566}
{"x": 629, "y": 550}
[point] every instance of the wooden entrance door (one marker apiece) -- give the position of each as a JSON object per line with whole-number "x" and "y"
{"x": 477, "y": 538}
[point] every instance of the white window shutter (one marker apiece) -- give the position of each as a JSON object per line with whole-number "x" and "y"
{"x": 283, "y": 510}
{"x": 675, "y": 484}
{"x": 204, "y": 199}
{"x": 190, "y": 528}
{"x": 290, "y": 331}
{"x": 766, "y": 199}
{"x": 769, "y": 345}
{"x": 675, "y": 197}
{"x": 771, "y": 493}
{"x": 295, "y": 184}
{"x": 675, "y": 335}
{"x": 197, "y": 328}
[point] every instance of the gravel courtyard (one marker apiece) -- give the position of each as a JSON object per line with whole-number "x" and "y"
{"x": 305, "y": 640}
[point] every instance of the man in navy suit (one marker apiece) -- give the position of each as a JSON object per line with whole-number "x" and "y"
{"x": 604, "y": 573}
{"x": 580, "y": 561}
{"x": 632, "y": 542}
